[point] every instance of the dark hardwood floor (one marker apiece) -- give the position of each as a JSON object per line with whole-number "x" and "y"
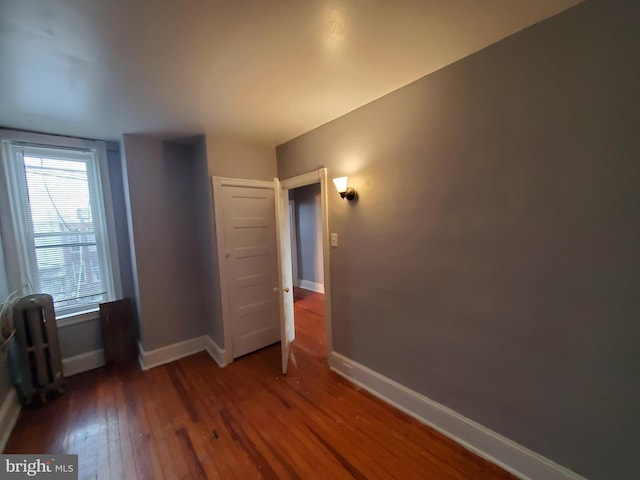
{"x": 310, "y": 323}
{"x": 192, "y": 419}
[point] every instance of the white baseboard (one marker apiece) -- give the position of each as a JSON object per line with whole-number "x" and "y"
{"x": 175, "y": 351}
{"x": 218, "y": 354}
{"x": 83, "y": 362}
{"x": 169, "y": 353}
{"x": 9, "y": 412}
{"x": 488, "y": 444}
{"x": 313, "y": 286}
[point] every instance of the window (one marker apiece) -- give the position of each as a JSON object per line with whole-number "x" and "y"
{"x": 60, "y": 224}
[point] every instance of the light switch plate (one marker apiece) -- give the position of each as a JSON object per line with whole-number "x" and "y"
{"x": 334, "y": 239}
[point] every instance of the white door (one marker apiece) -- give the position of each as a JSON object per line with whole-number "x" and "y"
{"x": 287, "y": 326}
{"x": 251, "y": 266}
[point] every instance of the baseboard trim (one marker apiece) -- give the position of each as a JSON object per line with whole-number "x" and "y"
{"x": 176, "y": 351}
{"x": 313, "y": 286}
{"x": 9, "y": 412}
{"x": 169, "y": 353}
{"x": 218, "y": 354}
{"x": 83, "y": 362}
{"x": 486, "y": 443}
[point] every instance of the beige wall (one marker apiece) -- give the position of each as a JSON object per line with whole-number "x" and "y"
{"x": 236, "y": 158}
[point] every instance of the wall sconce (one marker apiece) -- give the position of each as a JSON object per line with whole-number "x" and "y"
{"x": 345, "y": 192}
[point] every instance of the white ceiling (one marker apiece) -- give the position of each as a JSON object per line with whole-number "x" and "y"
{"x": 264, "y": 70}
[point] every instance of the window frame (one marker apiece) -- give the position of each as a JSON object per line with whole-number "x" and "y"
{"x": 16, "y": 252}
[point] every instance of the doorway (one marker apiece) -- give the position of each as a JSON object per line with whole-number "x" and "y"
{"x": 234, "y": 278}
{"x": 308, "y": 270}
{"x": 313, "y": 300}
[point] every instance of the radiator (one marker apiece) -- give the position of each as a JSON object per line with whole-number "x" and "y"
{"x": 36, "y": 362}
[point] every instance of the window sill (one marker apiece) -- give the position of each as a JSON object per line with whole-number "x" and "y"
{"x": 75, "y": 318}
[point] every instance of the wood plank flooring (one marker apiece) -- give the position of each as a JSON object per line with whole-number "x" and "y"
{"x": 191, "y": 419}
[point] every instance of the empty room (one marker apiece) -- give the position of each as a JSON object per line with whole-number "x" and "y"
{"x": 320, "y": 239}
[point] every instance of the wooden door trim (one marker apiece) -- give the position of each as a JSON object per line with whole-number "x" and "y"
{"x": 218, "y": 183}
{"x": 303, "y": 180}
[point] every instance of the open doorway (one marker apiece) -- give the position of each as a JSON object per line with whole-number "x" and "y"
{"x": 312, "y": 293}
{"x": 305, "y": 209}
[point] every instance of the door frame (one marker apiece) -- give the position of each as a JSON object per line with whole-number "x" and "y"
{"x": 218, "y": 183}
{"x": 316, "y": 176}
{"x": 310, "y": 178}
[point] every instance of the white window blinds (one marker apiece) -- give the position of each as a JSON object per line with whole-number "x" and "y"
{"x": 60, "y": 225}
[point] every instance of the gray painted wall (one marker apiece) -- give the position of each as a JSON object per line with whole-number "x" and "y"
{"x": 309, "y": 233}
{"x": 164, "y": 222}
{"x": 210, "y": 281}
{"x": 80, "y": 338}
{"x": 175, "y": 271}
{"x": 491, "y": 261}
